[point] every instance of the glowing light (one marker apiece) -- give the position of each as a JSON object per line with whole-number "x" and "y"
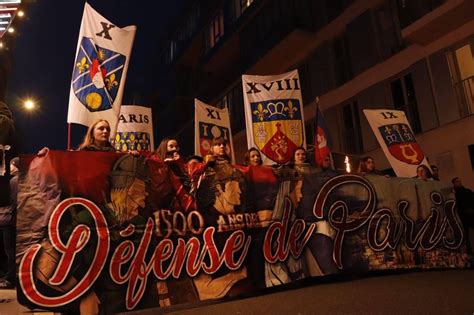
{"x": 11, "y": 30}
{"x": 29, "y": 105}
{"x": 20, "y": 13}
{"x": 348, "y": 165}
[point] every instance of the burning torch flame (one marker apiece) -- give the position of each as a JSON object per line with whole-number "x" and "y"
{"x": 348, "y": 165}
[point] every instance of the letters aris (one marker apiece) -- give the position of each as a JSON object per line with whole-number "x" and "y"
{"x": 138, "y": 119}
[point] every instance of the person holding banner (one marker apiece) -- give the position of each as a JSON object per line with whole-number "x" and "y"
{"x": 423, "y": 173}
{"x": 218, "y": 151}
{"x": 299, "y": 156}
{"x": 168, "y": 152}
{"x": 168, "y": 149}
{"x": 252, "y": 157}
{"x": 97, "y": 138}
{"x": 367, "y": 166}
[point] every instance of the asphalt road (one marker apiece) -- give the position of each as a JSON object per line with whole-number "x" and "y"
{"x": 426, "y": 292}
{"x": 423, "y": 292}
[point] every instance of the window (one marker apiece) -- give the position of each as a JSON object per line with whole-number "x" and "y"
{"x": 215, "y": 30}
{"x": 352, "y": 131}
{"x": 342, "y": 64}
{"x": 173, "y": 47}
{"x": 241, "y": 6}
{"x": 389, "y": 39}
{"x": 404, "y": 98}
{"x": 233, "y": 100}
{"x": 471, "y": 154}
{"x": 305, "y": 80}
{"x": 461, "y": 67}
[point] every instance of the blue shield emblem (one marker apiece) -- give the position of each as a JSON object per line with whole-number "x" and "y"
{"x": 401, "y": 143}
{"x": 97, "y": 75}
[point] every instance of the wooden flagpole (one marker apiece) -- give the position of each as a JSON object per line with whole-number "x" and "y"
{"x": 69, "y": 136}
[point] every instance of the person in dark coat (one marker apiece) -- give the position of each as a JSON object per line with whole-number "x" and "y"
{"x": 7, "y": 226}
{"x": 465, "y": 204}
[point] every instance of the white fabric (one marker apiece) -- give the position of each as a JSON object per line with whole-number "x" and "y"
{"x": 276, "y": 101}
{"x": 211, "y": 122}
{"x": 135, "y": 119}
{"x": 121, "y": 42}
{"x": 397, "y": 140}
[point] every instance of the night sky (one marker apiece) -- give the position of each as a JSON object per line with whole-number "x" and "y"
{"x": 44, "y": 55}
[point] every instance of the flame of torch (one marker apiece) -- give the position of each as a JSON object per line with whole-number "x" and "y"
{"x": 348, "y": 165}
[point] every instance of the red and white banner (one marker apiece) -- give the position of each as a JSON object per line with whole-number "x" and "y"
{"x": 395, "y": 136}
{"x": 209, "y": 123}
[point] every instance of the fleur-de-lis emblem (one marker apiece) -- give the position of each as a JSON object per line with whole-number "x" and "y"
{"x": 111, "y": 82}
{"x": 101, "y": 54}
{"x": 260, "y": 112}
{"x": 291, "y": 109}
{"x": 82, "y": 65}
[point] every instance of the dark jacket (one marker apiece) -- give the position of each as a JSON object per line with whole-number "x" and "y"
{"x": 464, "y": 199}
{"x": 8, "y": 213}
{"x": 93, "y": 147}
{"x": 6, "y": 138}
{"x": 6, "y": 124}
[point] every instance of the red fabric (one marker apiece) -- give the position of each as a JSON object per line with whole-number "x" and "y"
{"x": 321, "y": 149}
{"x": 258, "y": 174}
{"x": 80, "y": 173}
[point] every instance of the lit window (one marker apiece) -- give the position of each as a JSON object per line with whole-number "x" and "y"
{"x": 461, "y": 67}
{"x": 244, "y": 4}
{"x": 215, "y": 30}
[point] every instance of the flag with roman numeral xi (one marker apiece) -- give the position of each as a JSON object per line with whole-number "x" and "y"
{"x": 100, "y": 67}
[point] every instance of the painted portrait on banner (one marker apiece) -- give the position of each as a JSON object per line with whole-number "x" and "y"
{"x": 108, "y": 236}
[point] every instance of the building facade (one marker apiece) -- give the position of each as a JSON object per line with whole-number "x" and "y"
{"x": 411, "y": 55}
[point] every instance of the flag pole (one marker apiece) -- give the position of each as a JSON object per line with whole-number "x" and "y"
{"x": 69, "y": 136}
{"x": 315, "y": 131}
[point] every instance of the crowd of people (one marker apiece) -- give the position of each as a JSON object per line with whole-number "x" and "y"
{"x": 188, "y": 173}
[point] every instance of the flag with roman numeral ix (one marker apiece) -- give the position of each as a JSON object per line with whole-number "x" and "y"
{"x": 397, "y": 140}
{"x": 98, "y": 79}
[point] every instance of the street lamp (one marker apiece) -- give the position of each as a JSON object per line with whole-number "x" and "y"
{"x": 20, "y": 13}
{"x": 11, "y": 30}
{"x": 29, "y": 105}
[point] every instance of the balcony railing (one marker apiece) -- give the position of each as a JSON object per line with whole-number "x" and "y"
{"x": 465, "y": 95}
